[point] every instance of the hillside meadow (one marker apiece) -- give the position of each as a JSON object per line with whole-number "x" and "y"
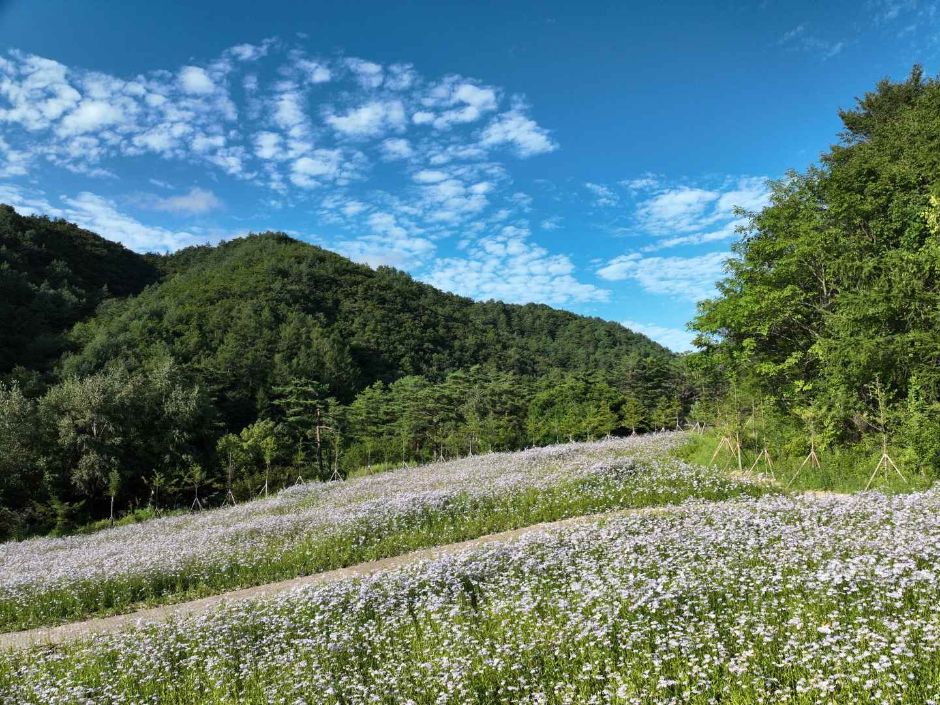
{"x": 315, "y": 527}
{"x": 778, "y": 599}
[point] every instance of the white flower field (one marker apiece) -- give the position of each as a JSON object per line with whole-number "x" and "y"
{"x": 754, "y": 600}
{"x": 316, "y": 526}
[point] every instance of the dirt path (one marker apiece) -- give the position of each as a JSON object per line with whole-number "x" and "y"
{"x": 79, "y": 630}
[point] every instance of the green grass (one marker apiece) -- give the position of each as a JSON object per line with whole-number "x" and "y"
{"x": 462, "y": 518}
{"x": 844, "y": 470}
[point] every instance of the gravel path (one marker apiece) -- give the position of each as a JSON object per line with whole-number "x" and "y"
{"x": 80, "y": 630}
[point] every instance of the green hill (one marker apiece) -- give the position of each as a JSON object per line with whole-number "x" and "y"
{"x": 212, "y": 367}
{"x": 53, "y": 274}
{"x": 251, "y": 314}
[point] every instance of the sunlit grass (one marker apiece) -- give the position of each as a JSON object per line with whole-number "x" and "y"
{"x": 842, "y": 469}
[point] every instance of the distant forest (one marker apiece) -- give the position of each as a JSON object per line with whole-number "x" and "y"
{"x": 142, "y": 382}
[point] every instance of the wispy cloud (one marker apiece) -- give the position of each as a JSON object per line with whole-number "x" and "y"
{"x": 691, "y": 278}
{"x": 195, "y": 202}
{"x": 801, "y": 39}
{"x": 603, "y": 196}
{"x": 103, "y": 216}
{"x": 510, "y": 267}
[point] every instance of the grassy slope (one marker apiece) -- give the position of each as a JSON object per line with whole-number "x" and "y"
{"x": 463, "y": 516}
{"x": 789, "y": 600}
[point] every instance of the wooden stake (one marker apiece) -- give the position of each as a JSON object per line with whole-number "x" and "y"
{"x": 733, "y": 448}
{"x": 811, "y": 458}
{"x": 885, "y": 464}
{"x": 765, "y": 456}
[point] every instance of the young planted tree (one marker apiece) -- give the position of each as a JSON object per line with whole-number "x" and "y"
{"x": 305, "y": 405}
{"x": 260, "y": 441}
{"x": 196, "y": 478}
{"x": 880, "y": 424}
{"x": 114, "y": 486}
{"x": 232, "y": 452}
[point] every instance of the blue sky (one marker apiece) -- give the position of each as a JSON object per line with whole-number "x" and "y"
{"x": 585, "y": 155}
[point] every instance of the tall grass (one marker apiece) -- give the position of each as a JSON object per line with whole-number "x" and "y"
{"x": 842, "y": 469}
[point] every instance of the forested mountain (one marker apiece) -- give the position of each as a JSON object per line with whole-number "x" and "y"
{"x": 831, "y": 314}
{"x": 219, "y": 371}
{"x": 53, "y": 274}
{"x": 252, "y": 314}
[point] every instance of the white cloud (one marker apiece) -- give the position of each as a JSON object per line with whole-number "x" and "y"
{"x": 691, "y": 278}
{"x": 520, "y": 132}
{"x": 509, "y": 267}
{"x": 315, "y": 71}
{"x": 388, "y": 243}
{"x": 679, "y": 210}
{"x": 90, "y": 115}
{"x": 693, "y": 215}
{"x": 38, "y": 91}
{"x": 12, "y": 162}
{"x": 197, "y": 201}
{"x": 397, "y": 148}
{"x": 249, "y": 52}
{"x": 430, "y": 176}
{"x": 676, "y": 339}
{"x": 195, "y": 80}
{"x": 373, "y": 118}
{"x": 369, "y": 74}
{"x": 603, "y": 196}
{"x": 101, "y": 216}
{"x": 27, "y": 202}
{"x": 449, "y": 199}
{"x": 268, "y": 145}
{"x": 458, "y": 101}
{"x": 321, "y": 165}
{"x": 289, "y": 110}
{"x": 646, "y": 182}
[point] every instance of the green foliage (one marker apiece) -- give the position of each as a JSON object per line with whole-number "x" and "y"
{"x": 53, "y": 274}
{"x": 264, "y": 360}
{"x": 835, "y": 283}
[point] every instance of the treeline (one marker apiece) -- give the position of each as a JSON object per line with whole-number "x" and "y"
{"x": 826, "y": 331}
{"x": 114, "y": 441}
{"x": 207, "y": 375}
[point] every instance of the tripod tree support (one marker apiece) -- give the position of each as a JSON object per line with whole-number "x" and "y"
{"x": 732, "y": 446}
{"x": 811, "y": 458}
{"x": 764, "y": 456}
{"x": 885, "y": 465}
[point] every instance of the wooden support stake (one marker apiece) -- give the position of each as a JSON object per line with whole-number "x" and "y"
{"x": 811, "y": 458}
{"x": 884, "y": 464}
{"x": 764, "y": 456}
